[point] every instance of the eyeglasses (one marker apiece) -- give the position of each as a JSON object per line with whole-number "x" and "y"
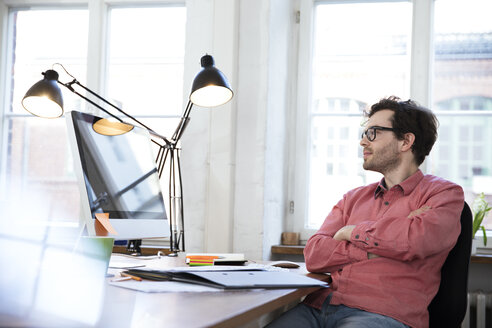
{"x": 370, "y": 133}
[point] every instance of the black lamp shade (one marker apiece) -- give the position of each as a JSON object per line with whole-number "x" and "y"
{"x": 44, "y": 99}
{"x": 210, "y": 87}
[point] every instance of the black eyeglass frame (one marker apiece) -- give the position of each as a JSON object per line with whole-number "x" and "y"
{"x": 374, "y": 128}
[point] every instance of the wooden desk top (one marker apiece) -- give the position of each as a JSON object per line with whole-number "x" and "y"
{"x": 124, "y": 307}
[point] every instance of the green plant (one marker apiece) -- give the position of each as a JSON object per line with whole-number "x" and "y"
{"x": 480, "y": 209}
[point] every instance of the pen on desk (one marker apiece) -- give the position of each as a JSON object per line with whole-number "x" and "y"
{"x": 123, "y": 274}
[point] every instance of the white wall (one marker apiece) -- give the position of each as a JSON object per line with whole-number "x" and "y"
{"x": 234, "y": 156}
{"x": 282, "y": 32}
{"x": 208, "y": 144}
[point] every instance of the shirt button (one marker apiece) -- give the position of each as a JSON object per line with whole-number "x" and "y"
{"x": 376, "y": 244}
{"x": 367, "y": 238}
{"x": 356, "y": 236}
{"x": 386, "y": 203}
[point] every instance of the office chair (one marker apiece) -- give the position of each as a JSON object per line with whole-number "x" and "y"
{"x": 448, "y": 308}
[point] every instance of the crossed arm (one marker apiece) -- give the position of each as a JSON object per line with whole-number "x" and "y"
{"x": 345, "y": 232}
{"x": 395, "y": 237}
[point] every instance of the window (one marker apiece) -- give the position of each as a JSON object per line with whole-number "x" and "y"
{"x": 35, "y": 155}
{"x": 350, "y": 67}
{"x": 354, "y": 59}
{"x": 462, "y": 96}
{"x": 142, "y": 72}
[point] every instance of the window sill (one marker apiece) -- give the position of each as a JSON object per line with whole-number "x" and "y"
{"x": 298, "y": 250}
{"x": 481, "y": 258}
{"x": 285, "y": 249}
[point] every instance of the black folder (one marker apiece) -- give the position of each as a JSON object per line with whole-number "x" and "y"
{"x": 232, "y": 279}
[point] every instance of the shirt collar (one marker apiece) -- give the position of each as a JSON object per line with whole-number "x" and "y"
{"x": 407, "y": 186}
{"x": 380, "y": 189}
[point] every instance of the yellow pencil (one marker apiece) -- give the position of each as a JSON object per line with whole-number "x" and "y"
{"x": 123, "y": 274}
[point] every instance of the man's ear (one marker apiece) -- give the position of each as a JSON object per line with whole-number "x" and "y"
{"x": 408, "y": 140}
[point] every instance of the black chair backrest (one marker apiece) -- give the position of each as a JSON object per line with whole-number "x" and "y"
{"x": 448, "y": 308}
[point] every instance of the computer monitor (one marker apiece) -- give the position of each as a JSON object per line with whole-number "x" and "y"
{"x": 117, "y": 175}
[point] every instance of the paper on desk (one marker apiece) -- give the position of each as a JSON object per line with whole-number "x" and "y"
{"x": 149, "y": 286}
{"x": 124, "y": 265}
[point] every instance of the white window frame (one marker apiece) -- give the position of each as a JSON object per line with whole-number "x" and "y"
{"x": 420, "y": 75}
{"x": 99, "y": 12}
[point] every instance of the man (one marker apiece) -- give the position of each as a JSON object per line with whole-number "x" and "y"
{"x": 384, "y": 244}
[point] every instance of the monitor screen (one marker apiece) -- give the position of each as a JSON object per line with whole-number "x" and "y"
{"x": 117, "y": 175}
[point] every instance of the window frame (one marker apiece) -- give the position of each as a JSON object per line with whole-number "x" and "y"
{"x": 421, "y": 75}
{"x": 96, "y": 71}
{"x": 99, "y": 12}
{"x": 420, "y": 85}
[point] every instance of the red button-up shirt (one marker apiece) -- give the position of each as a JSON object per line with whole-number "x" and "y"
{"x": 403, "y": 280}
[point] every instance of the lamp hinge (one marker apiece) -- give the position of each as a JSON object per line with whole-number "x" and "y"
{"x": 291, "y": 207}
{"x": 298, "y": 17}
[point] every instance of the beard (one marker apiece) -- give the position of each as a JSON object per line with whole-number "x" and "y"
{"x": 384, "y": 160}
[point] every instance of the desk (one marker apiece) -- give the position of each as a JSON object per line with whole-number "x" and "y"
{"x": 127, "y": 308}
{"x": 64, "y": 289}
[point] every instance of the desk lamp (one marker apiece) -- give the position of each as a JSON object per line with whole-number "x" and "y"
{"x": 210, "y": 88}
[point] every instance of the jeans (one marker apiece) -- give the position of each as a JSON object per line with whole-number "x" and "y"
{"x": 333, "y": 316}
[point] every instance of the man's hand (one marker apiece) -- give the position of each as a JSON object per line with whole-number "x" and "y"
{"x": 344, "y": 233}
{"x": 419, "y": 211}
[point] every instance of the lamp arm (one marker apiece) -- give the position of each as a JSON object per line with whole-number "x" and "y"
{"x": 183, "y": 123}
{"x": 69, "y": 87}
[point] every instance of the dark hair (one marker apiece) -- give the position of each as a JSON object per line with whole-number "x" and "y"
{"x": 410, "y": 117}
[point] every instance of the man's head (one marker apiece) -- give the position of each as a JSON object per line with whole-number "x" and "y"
{"x": 411, "y": 124}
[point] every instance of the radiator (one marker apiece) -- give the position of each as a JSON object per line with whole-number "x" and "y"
{"x": 479, "y": 310}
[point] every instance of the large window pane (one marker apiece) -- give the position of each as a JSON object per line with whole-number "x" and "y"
{"x": 357, "y": 60}
{"x": 39, "y": 42}
{"x": 40, "y": 165}
{"x": 462, "y": 95}
{"x": 146, "y": 56}
{"x": 356, "y": 55}
{"x": 37, "y": 161}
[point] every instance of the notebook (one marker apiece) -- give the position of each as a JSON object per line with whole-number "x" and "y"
{"x": 216, "y": 258}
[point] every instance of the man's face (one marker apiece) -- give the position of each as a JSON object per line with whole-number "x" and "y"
{"x": 382, "y": 154}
